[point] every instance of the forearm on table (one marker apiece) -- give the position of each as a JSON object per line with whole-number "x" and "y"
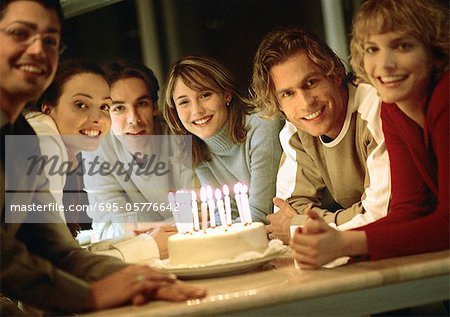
{"x": 354, "y": 243}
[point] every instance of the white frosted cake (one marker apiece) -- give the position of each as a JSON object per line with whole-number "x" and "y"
{"x": 216, "y": 244}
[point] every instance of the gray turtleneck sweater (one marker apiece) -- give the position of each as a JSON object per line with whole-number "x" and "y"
{"x": 253, "y": 163}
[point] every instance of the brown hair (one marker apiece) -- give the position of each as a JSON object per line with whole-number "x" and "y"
{"x": 423, "y": 19}
{"x": 275, "y": 48}
{"x": 129, "y": 69}
{"x": 200, "y": 72}
{"x": 65, "y": 72}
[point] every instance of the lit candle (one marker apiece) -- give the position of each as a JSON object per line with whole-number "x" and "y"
{"x": 173, "y": 205}
{"x": 246, "y": 205}
{"x": 226, "y": 193}
{"x": 184, "y": 210}
{"x": 237, "y": 197}
{"x": 221, "y": 208}
{"x": 211, "y": 206}
{"x": 204, "y": 208}
{"x": 195, "y": 211}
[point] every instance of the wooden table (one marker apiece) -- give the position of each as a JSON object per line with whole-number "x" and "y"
{"x": 278, "y": 289}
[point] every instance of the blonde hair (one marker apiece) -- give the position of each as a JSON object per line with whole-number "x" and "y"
{"x": 423, "y": 19}
{"x": 198, "y": 73}
{"x": 275, "y": 48}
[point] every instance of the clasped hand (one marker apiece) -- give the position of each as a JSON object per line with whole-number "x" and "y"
{"x": 316, "y": 243}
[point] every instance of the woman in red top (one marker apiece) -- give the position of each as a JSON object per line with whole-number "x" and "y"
{"x": 402, "y": 48}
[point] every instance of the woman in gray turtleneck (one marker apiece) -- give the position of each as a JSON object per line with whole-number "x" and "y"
{"x": 230, "y": 144}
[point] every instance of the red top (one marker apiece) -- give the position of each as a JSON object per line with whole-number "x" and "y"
{"x": 418, "y": 219}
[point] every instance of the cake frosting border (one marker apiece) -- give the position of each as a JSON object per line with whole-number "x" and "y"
{"x": 275, "y": 246}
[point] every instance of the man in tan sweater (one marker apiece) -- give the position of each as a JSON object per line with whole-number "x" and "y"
{"x": 336, "y": 161}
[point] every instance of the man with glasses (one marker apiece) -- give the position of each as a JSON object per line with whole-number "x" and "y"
{"x": 25, "y": 35}
{"x": 41, "y": 264}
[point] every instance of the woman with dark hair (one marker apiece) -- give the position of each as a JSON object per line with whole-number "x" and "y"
{"x": 72, "y": 116}
{"x": 229, "y": 143}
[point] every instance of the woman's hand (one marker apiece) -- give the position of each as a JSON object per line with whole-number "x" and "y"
{"x": 317, "y": 243}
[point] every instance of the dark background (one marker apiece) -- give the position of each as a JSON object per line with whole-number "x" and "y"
{"x": 228, "y": 30}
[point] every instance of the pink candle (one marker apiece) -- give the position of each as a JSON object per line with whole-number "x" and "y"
{"x": 226, "y": 193}
{"x": 195, "y": 211}
{"x": 221, "y": 208}
{"x": 211, "y": 206}
{"x": 204, "y": 209}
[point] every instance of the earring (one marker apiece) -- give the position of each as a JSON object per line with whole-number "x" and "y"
{"x": 228, "y": 103}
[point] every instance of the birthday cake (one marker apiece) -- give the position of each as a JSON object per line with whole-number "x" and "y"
{"x": 201, "y": 247}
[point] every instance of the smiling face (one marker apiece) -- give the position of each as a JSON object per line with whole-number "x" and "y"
{"x": 311, "y": 101}
{"x": 82, "y": 112}
{"x": 26, "y": 70}
{"x": 132, "y": 113}
{"x": 399, "y": 67}
{"x": 202, "y": 112}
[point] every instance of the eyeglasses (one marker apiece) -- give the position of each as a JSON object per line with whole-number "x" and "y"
{"x": 27, "y": 36}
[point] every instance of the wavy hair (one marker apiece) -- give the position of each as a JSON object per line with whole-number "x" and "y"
{"x": 425, "y": 20}
{"x": 199, "y": 73}
{"x": 275, "y": 48}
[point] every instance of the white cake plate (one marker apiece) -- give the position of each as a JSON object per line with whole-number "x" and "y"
{"x": 230, "y": 268}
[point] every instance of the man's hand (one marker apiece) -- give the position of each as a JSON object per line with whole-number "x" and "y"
{"x": 279, "y": 223}
{"x": 179, "y": 291}
{"x": 137, "y": 284}
{"x": 128, "y": 285}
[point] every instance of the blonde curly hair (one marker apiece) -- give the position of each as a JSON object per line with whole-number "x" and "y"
{"x": 427, "y": 21}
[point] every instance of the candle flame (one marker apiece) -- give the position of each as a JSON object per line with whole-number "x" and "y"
{"x": 194, "y": 195}
{"x": 244, "y": 189}
{"x": 209, "y": 192}
{"x": 218, "y": 194}
{"x": 226, "y": 190}
{"x": 237, "y": 188}
{"x": 203, "y": 197}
